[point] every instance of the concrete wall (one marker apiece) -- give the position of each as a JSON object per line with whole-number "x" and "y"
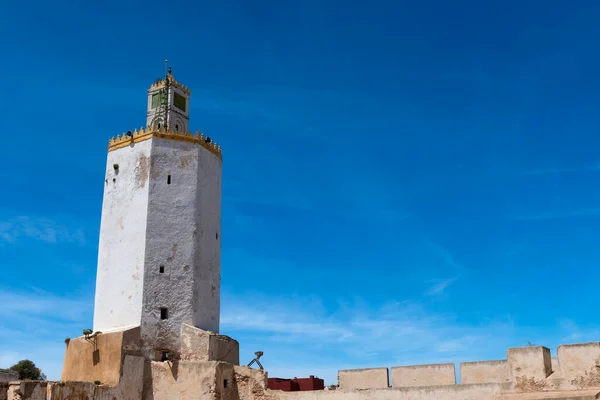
{"x": 101, "y": 358}
{"x": 200, "y": 345}
{"x": 453, "y": 392}
{"x": 527, "y": 369}
{"x": 423, "y": 375}
{"x": 122, "y": 246}
{"x": 7, "y": 375}
{"x": 183, "y": 236}
{"x": 580, "y": 364}
{"x": 531, "y": 362}
{"x": 129, "y": 388}
{"x": 368, "y": 378}
{"x": 484, "y": 372}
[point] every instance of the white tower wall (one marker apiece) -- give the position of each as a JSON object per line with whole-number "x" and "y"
{"x": 182, "y": 237}
{"x": 122, "y": 247}
{"x": 159, "y": 254}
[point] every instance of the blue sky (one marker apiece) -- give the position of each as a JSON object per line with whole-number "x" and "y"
{"x": 404, "y": 182}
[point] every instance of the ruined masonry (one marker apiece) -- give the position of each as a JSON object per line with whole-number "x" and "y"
{"x": 157, "y": 305}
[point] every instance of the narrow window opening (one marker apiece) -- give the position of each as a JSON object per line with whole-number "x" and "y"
{"x": 158, "y": 125}
{"x": 217, "y": 236}
{"x": 169, "y": 180}
{"x": 176, "y": 127}
{"x": 224, "y": 383}
{"x": 164, "y": 356}
{"x": 114, "y": 180}
{"x": 164, "y": 313}
{"x": 161, "y": 269}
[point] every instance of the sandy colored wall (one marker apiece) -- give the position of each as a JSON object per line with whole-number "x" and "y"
{"x": 100, "y": 359}
{"x": 423, "y": 375}
{"x": 484, "y": 372}
{"x": 367, "y": 378}
{"x": 201, "y": 345}
{"x": 210, "y": 380}
{"x": 454, "y": 392}
{"x": 128, "y": 389}
{"x": 580, "y": 363}
{"x": 531, "y": 362}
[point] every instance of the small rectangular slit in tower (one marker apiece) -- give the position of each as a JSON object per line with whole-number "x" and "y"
{"x": 161, "y": 269}
{"x": 169, "y": 180}
{"x": 164, "y": 313}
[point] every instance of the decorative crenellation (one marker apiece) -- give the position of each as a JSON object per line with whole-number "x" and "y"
{"x": 160, "y": 83}
{"x": 142, "y": 134}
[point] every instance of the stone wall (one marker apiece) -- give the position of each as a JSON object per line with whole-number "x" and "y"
{"x": 368, "y": 378}
{"x": 101, "y": 357}
{"x": 528, "y": 373}
{"x": 484, "y": 372}
{"x": 423, "y": 375}
{"x": 200, "y": 345}
{"x": 526, "y": 370}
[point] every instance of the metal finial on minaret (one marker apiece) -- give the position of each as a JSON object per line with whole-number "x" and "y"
{"x": 167, "y": 68}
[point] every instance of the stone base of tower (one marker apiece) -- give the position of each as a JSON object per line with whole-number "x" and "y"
{"x": 115, "y": 362}
{"x": 100, "y": 357}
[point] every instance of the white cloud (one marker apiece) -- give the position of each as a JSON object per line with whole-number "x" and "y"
{"x": 42, "y": 229}
{"x": 35, "y": 323}
{"x": 300, "y": 340}
{"x": 439, "y": 286}
{"x": 310, "y": 341}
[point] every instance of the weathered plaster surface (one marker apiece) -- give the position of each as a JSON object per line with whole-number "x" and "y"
{"x": 162, "y": 209}
{"x": 201, "y": 345}
{"x": 580, "y": 363}
{"x": 122, "y": 247}
{"x": 493, "y": 371}
{"x": 368, "y": 378}
{"x": 423, "y": 375}
{"x": 101, "y": 358}
{"x": 529, "y": 362}
{"x": 182, "y": 236}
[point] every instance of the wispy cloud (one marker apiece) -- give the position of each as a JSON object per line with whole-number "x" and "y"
{"x": 34, "y": 324}
{"x": 446, "y": 257}
{"x": 42, "y": 229}
{"x": 439, "y": 286}
{"x": 397, "y": 333}
{"x": 301, "y": 338}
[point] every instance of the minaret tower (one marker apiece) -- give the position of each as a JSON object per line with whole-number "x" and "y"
{"x": 159, "y": 251}
{"x": 168, "y": 100}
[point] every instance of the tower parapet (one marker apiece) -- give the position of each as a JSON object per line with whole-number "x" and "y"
{"x": 161, "y": 83}
{"x": 130, "y": 138}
